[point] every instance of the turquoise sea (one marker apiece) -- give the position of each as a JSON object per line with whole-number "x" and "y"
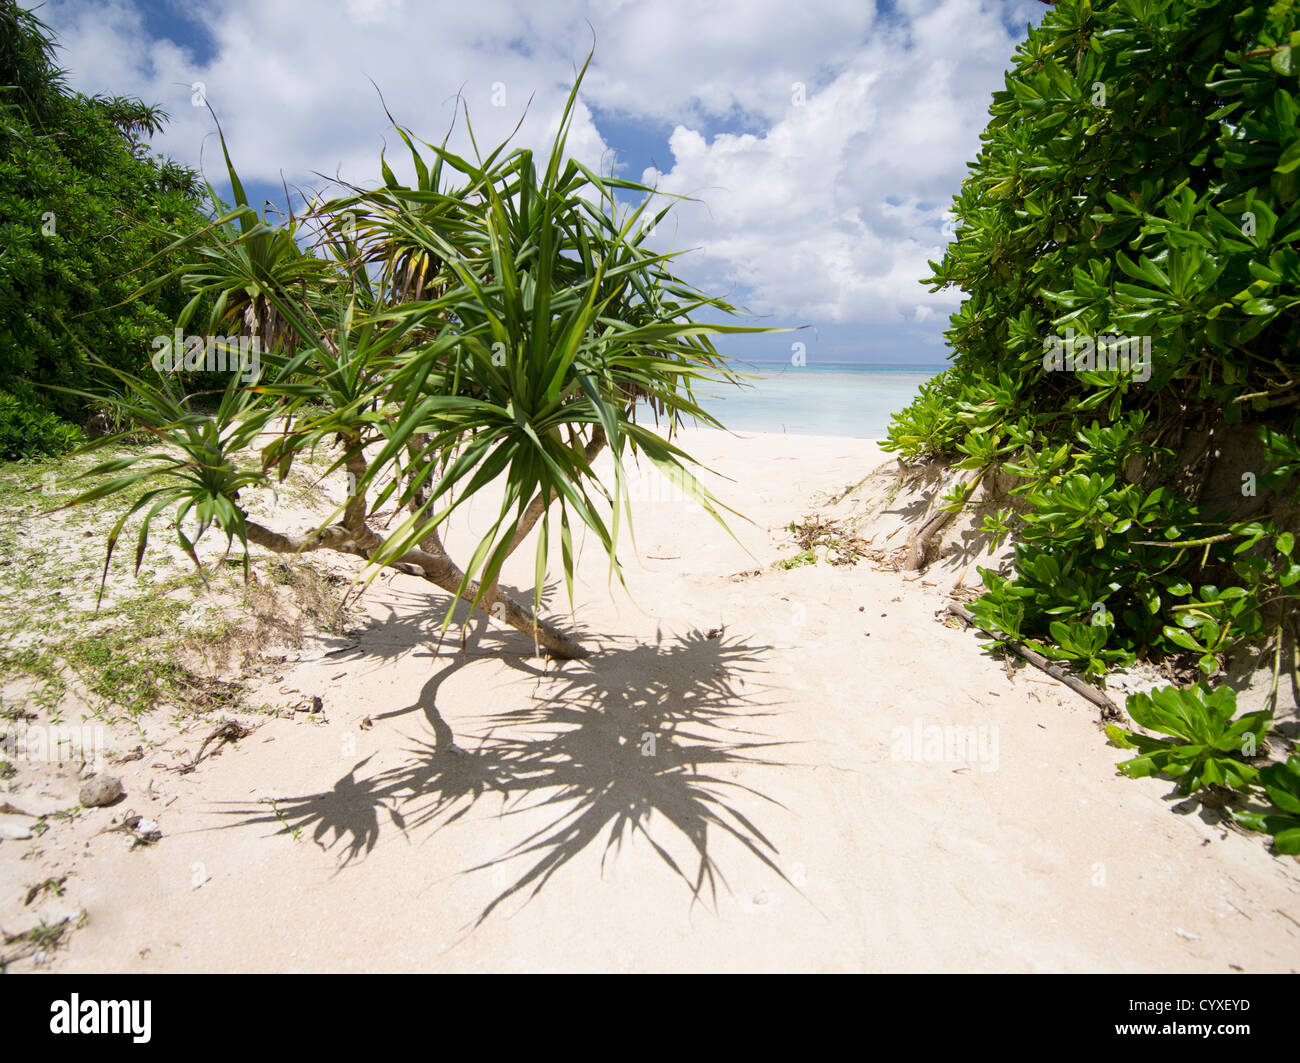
{"x": 823, "y": 400}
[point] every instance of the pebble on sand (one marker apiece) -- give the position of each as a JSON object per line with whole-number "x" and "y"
{"x": 101, "y": 790}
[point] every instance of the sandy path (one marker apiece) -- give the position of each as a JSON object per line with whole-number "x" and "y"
{"x": 774, "y": 779}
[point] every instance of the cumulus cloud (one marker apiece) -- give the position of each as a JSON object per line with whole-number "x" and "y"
{"x": 833, "y": 213}
{"x": 823, "y": 143}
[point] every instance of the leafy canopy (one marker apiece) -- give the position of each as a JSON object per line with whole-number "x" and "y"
{"x": 1138, "y": 185}
{"x": 80, "y": 202}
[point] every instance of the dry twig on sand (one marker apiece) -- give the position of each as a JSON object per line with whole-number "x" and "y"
{"x": 230, "y": 731}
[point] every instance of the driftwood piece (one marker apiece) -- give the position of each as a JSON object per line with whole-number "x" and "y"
{"x": 1109, "y": 710}
{"x": 24, "y": 948}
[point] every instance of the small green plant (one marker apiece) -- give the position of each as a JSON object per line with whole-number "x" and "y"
{"x": 43, "y": 937}
{"x": 1282, "y": 784}
{"x": 1205, "y": 745}
{"x": 1002, "y": 610}
{"x": 292, "y": 831}
{"x": 1085, "y": 644}
{"x": 998, "y": 526}
{"x": 52, "y": 884}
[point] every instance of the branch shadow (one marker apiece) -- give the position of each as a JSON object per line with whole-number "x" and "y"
{"x": 641, "y": 740}
{"x": 973, "y": 543}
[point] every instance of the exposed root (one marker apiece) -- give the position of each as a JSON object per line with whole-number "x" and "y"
{"x": 934, "y": 523}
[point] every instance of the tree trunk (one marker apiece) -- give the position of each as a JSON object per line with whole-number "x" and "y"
{"x": 430, "y": 560}
{"x": 439, "y": 570}
{"x": 920, "y": 539}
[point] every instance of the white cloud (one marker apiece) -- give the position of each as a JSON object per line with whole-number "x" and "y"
{"x": 825, "y": 212}
{"x": 834, "y": 212}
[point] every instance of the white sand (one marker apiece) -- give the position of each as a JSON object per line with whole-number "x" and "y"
{"x": 777, "y": 825}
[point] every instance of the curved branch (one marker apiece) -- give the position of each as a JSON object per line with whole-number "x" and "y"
{"x": 439, "y": 570}
{"x": 539, "y": 505}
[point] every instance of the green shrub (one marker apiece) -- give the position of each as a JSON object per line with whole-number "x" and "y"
{"x": 1281, "y": 783}
{"x": 83, "y": 206}
{"x": 28, "y": 431}
{"x": 1205, "y": 744}
{"x": 1138, "y": 183}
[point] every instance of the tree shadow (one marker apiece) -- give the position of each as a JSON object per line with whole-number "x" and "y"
{"x": 402, "y": 631}
{"x": 646, "y": 739}
{"x": 910, "y": 512}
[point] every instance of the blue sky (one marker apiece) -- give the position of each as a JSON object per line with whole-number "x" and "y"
{"x": 822, "y": 143}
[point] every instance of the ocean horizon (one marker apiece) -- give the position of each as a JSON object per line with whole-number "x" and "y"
{"x": 827, "y": 399}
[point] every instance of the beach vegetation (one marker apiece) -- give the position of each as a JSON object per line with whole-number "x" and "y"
{"x": 1204, "y": 745}
{"x": 1158, "y": 218}
{"x": 837, "y": 540}
{"x": 162, "y": 638}
{"x": 1281, "y": 784}
{"x": 81, "y": 201}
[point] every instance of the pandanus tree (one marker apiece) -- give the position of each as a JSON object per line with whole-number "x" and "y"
{"x": 493, "y": 327}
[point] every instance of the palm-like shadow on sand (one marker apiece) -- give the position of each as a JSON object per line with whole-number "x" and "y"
{"x": 645, "y": 740}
